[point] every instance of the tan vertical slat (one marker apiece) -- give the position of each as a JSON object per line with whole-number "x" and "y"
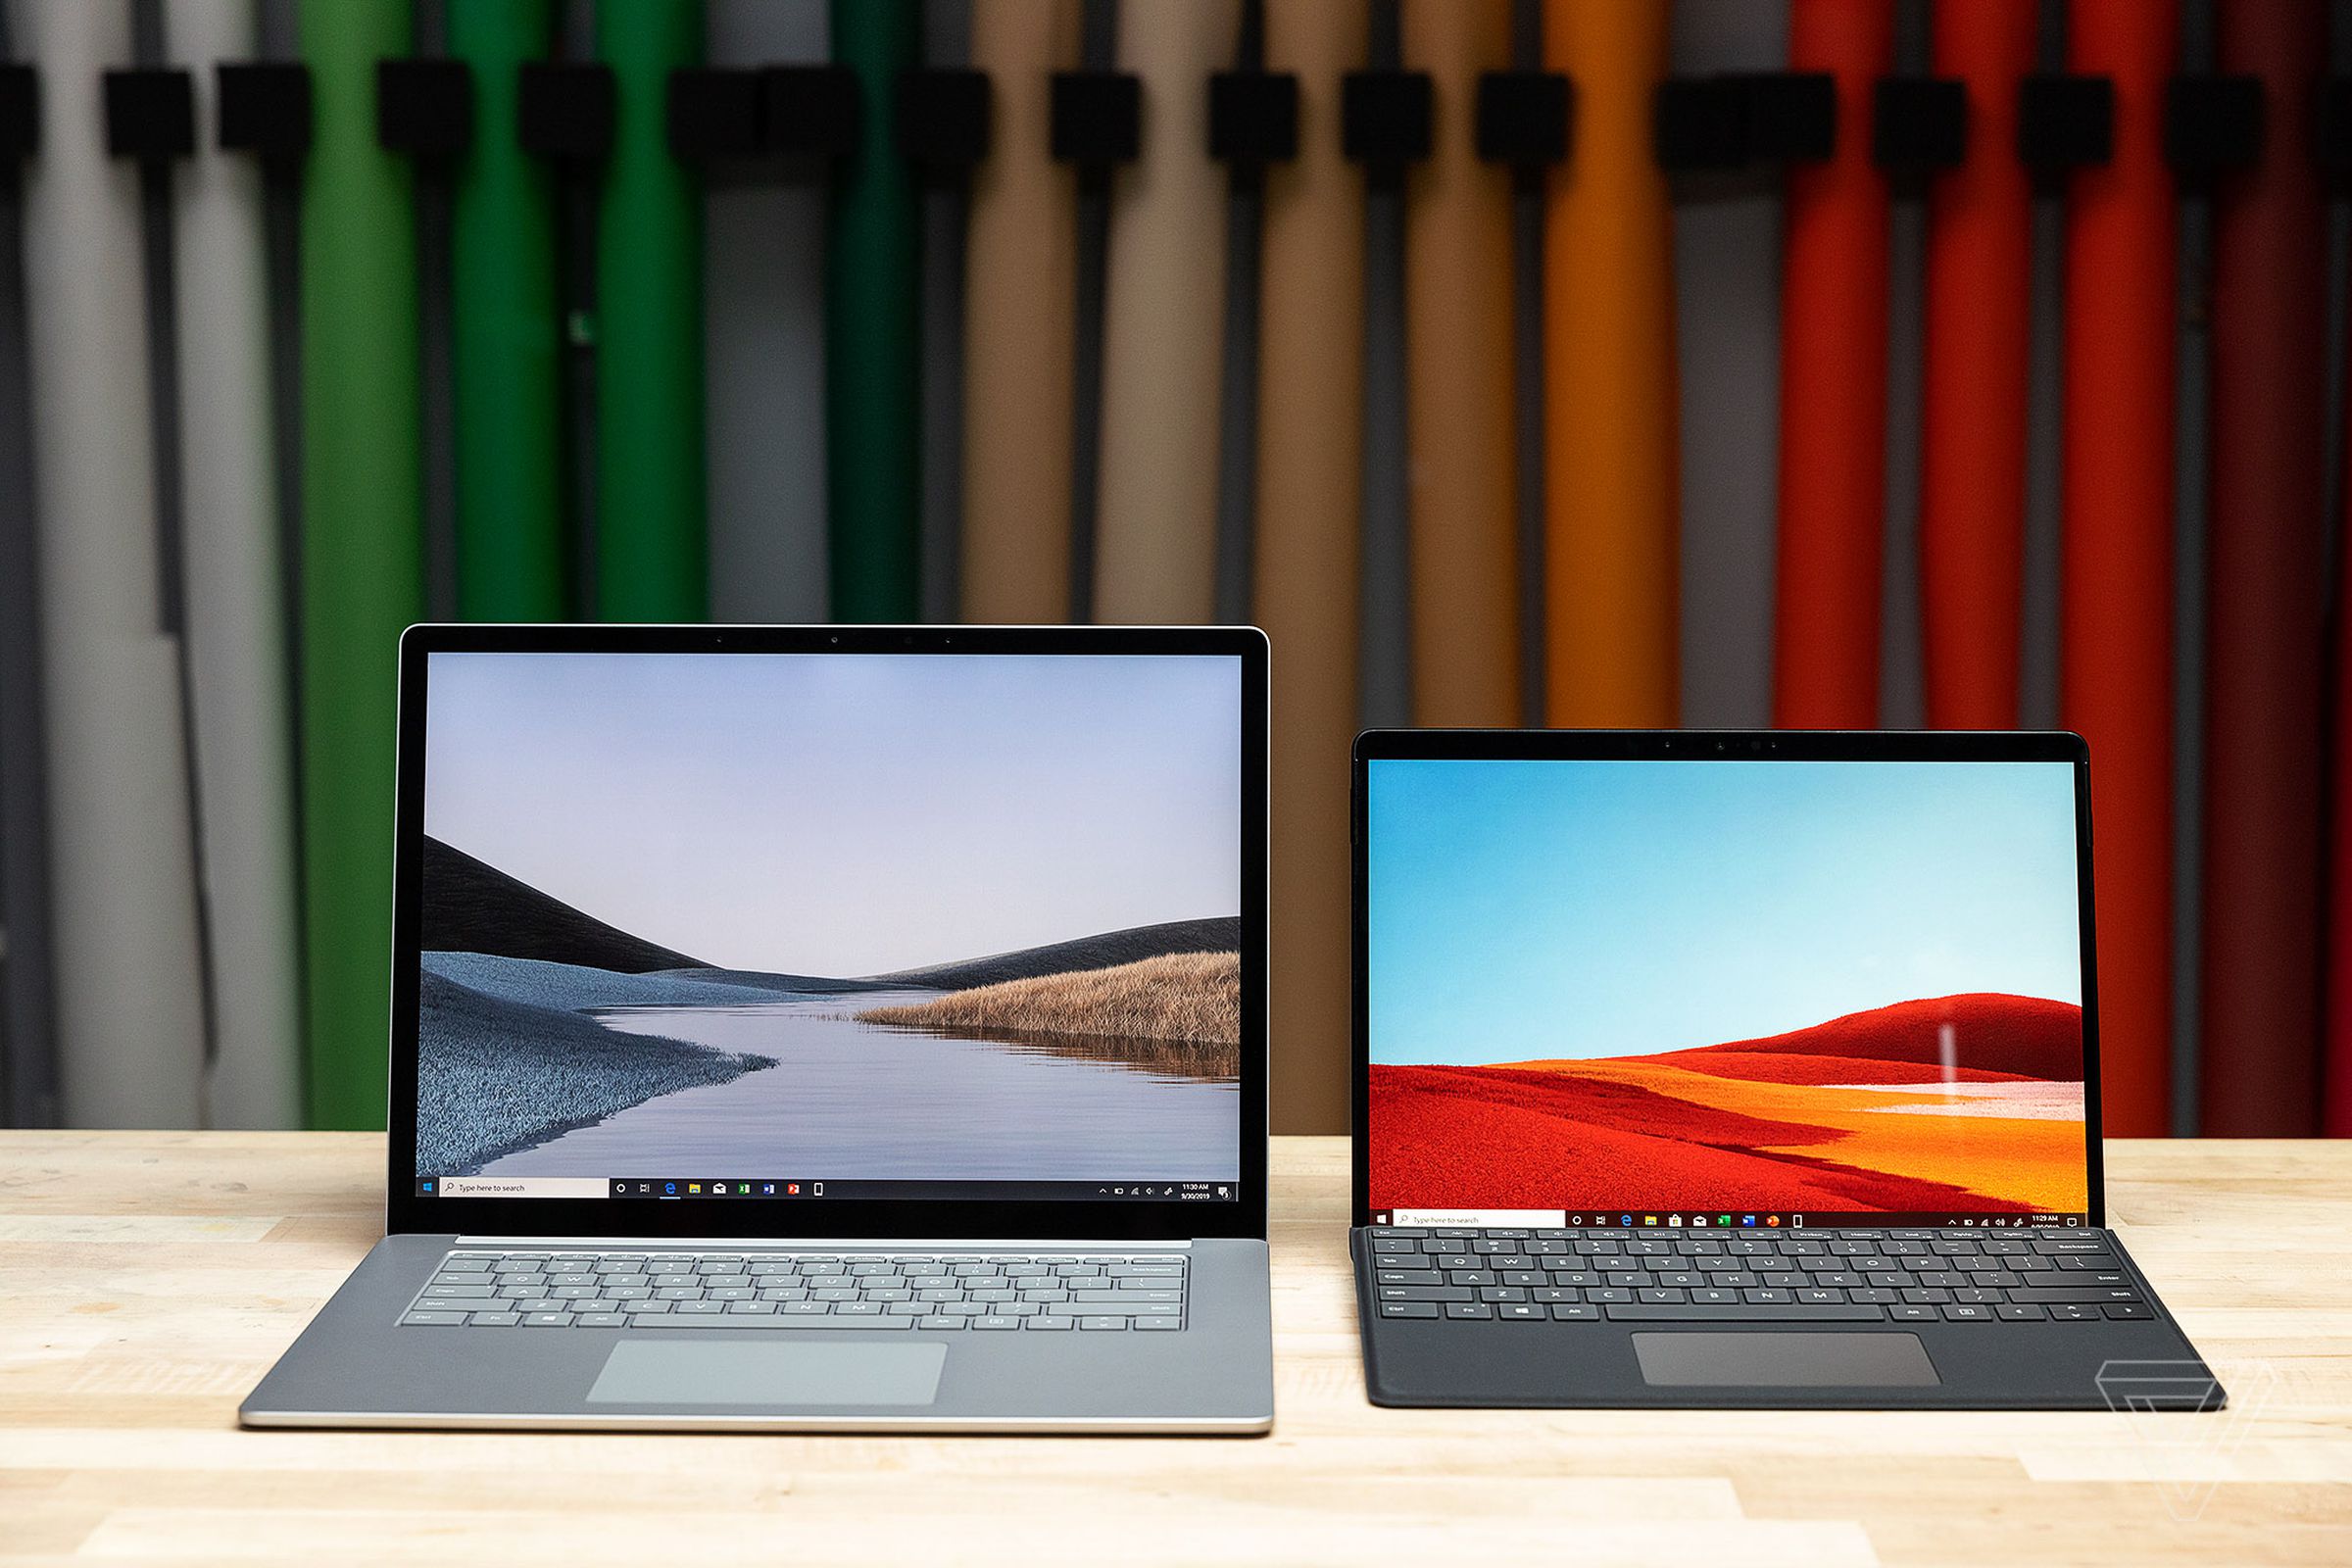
{"x": 1309, "y": 408}
{"x": 1017, "y": 325}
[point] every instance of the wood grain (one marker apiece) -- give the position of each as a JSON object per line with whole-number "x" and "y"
{"x": 148, "y": 1279}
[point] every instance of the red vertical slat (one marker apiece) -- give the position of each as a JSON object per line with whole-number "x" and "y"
{"x": 1972, "y": 514}
{"x": 1833, "y": 388}
{"x": 2115, "y": 678}
{"x": 2259, "y": 981}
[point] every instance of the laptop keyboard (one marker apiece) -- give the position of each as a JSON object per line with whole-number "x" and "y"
{"x": 932, "y": 1292}
{"x": 1844, "y": 1275}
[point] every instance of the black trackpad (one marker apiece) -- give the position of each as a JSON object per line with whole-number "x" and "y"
{"x": 1785, "y": 1361}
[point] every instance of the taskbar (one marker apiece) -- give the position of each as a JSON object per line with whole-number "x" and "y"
{"x": 1717, "y": 1219}
{"x": 733, "y": 1189}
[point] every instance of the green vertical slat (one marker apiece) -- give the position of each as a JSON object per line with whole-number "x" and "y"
{"x": 649, "y": 388}
{"x": 502, "y": 241}
{"x": 363, "y": 553}
{"x": 874, "y": 330}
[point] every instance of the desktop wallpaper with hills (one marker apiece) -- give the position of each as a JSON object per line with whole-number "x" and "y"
{"x": 1811, "y": 986}
{"x": 858, "y": 918}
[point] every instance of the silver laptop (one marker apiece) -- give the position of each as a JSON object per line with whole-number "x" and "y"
{"x": 854, "y": 1028}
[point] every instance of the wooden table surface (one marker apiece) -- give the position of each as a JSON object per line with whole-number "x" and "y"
{"x": 148, "y": 1279}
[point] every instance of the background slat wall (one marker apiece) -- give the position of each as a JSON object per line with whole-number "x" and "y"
{"x": 764, "y": 343}
{"x": 1020, "y": 260}
{"x": 363, "y": 547}
{"x": 2116, "y": 661}
{"x": 1834, "y": 323}
{"x": 1727, "y": 310}
{"x": 1838, "y": 441}
{"x": 1309, "y": 475}
{"x": 236, "y": 608}
{"x": 1610, "y": 541}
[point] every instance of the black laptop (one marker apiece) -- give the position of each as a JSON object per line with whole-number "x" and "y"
{"x": 1736, "y": 1069}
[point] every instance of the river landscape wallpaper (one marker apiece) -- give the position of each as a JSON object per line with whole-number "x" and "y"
{"x": 878, "y": 919}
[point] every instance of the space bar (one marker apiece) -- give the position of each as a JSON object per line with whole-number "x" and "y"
{"x": 764, "y": 1320}
{"x": 1851, "y": 1312}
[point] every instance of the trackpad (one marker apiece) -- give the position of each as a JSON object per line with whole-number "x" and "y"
{"x": 1785, "y": 1361}
{"x": 770, "y": 1373}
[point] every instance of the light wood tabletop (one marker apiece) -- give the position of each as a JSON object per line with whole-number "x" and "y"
{"x": 148, "y": 1279}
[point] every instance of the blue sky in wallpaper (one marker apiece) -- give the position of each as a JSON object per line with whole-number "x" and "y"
{"x": 846, "y": 816}
{"x": 1531, "y": 910}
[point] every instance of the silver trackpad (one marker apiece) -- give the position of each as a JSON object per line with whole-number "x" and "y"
{"x": 1785, "y": 1361}
{"x": 774, "y": 1372}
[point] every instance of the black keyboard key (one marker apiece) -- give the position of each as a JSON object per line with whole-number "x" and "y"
{"x": 1522, "y": 1312}
{"x": 2015, "y": 1312}
{"x": 1964, "y": 1312}
{"x": 1410, "y": 1276}
{"x": 2128, "y": 1309}
{"x": 1473, "y": 1309}
{"x": 1572, "y": 1312}
{"x": 1424, "y": 1293}
{"x": 2075, "y": 1312}
{"x": 1408, "y": 1309}
{"x": 1908, "y": 1313}
{"x": 2096, "y": 1293}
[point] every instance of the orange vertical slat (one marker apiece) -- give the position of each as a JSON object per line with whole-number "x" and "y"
{"x": 1610, "y": 545}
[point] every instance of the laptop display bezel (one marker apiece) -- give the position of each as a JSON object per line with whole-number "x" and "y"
{"x": 409, "y": 1212}
{"x": 1702, "y": 747}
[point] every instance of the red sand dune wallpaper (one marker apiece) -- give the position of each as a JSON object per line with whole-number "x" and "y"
{"x": 1969, "y": 1103}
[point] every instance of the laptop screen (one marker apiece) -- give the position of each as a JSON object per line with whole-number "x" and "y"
{"x": 768, "y": 928}
{"x": 1724, "y": 993}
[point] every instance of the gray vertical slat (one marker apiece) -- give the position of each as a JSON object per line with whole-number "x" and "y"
{"x": 157, "y": 259}
{"x": 2191, "y": 376}
{"x": 1527, "y": 380}
{"x": 1902, "y": 656}
{"x": 28, "y": 1086}
{"x": 1237, "y": 397}
{"x": 2046, "y": 434}
{"x": 947, "y": 219}
{"x": 277, "y": 33}
{"x": 763, "y": 344}
{"x": 1727, "y": 284}
{"x": 436, "y": 339}
{"x": 1384, "y": 671}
